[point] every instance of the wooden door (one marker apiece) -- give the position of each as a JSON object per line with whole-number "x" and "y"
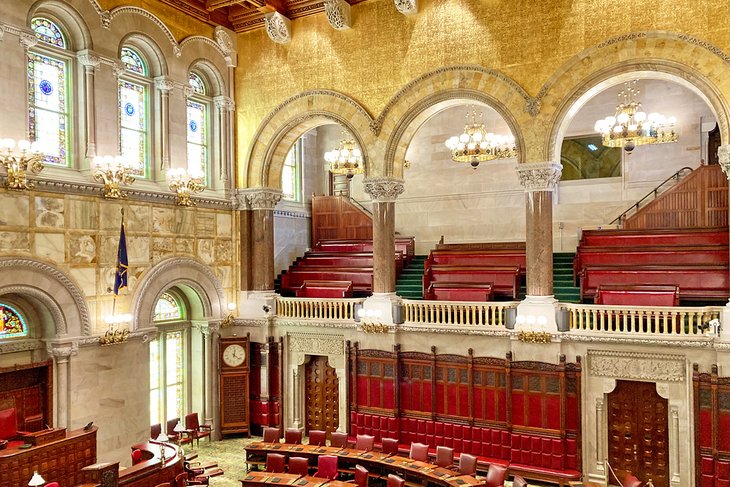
{"x": 638, "y": 441}
{"x": 322, "y": 396}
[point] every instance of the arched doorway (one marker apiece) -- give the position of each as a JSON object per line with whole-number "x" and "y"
{"x": 322, "y": 401}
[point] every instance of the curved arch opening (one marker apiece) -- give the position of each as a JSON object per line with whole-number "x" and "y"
{"x": 153, "y": 56}
{"x": 71, "y": 23}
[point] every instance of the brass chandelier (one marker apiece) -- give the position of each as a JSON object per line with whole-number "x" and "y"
{"x": 631, "y": 126}
{"x": 346, "y": 158}
{"x": 476, "y": 145}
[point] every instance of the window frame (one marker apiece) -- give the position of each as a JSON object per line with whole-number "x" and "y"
{"x": 23, "y": 317}
{"x": 207, "y": 102}
{"x": 298, "y": 150}
{"x": 145, "y": 81}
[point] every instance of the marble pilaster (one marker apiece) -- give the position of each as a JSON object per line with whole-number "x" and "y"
{"x": 164, "y": 86}
{"x": 61, "y": 353}
{"x": 224, "y": 113}
{"x": 90, "y": 62}
{"x": 261, "y": 204}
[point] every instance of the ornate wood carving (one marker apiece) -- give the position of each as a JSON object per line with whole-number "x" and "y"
{"x": 322, "y": 390}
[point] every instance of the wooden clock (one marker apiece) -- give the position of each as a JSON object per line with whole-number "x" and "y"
{"x": 234, "y": 369}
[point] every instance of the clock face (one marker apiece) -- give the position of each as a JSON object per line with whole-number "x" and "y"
{"x": 234, "y": 355}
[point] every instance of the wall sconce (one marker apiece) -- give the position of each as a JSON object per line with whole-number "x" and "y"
{"x": 185, "y": 183}
{"x": 17, "y": 165}
{"x": 36, "y": 480}
{"x": 112, "y": 171}
{"x": 113, "y": 334}
{"x": 229, "y": 320}
{"x": 372, "y": 315}
{"x": 531, "y": 336}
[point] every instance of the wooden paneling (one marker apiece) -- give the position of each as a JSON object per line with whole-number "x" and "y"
{"x": 712, "y": 428}
{"x": 322, "y": 396}
{"x": 699, "y": 200}
{"x": 28, "y": 389}
{"x": 336, "y": 217}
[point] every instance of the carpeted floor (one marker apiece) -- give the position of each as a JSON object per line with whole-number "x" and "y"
{"x": 230, "y": 456}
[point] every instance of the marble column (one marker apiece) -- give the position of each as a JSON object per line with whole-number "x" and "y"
{"x": 61, "y": 353}
{"x": 261, "y": 204}
{"x": 209, "y": 332}
{"x": 90, "y": 62}
{"x": 723, "y": 155}
{"x": 224, "y": 116}
{"x": 164, "y": 86}
{"x": 383, "y": 191}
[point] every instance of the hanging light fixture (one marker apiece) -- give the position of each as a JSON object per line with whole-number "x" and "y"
{"x": 631, "y": 126}
{"x": 476, "y": 145}
{"x": 346, "y": 158}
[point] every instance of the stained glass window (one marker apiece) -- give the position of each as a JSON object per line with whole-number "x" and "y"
{"x": 155, "y": 382}
{"x": 47, "y": 31}
{"x": 196, "y": 82}
{"x": 197, "y": 137}
{"x": 48, "y": 107}
{"x": 12, "y": 323}
{"x": 133, "y": 125}
{"x": 133, "y": 62}
{"x": 167, "y": 308}
{"x": 290, "y": 173}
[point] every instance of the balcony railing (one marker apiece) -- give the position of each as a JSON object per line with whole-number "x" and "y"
{"x": 456, "y": 313}
{"x": 317, "y": 308}
{"x": 665, "y": 321}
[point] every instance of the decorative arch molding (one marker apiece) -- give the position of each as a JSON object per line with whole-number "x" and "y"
{"x": 291, "y": 119}
{"x": 126, "y": 9}
{"x": 192, "y": 40}
{"x": 423, "y": 109}
{"x": 149, "y": 49}
{"x": 59, "y": 321}
{"x": 177, "y": 271}
{"x": 68, "y": 18}
{"x": 62, "y": 297}
{"x": 211, "y": 74}
{"x": 695, "y": 63}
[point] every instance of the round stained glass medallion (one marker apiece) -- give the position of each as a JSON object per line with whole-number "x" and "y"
{"x": 193, "y": 126}
{"x": 129, "y": 109}
{"x": 46, "y": 87}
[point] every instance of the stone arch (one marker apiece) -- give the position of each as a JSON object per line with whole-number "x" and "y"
{"x": 178, "y": 272}
{"x": 691, "y": 62}
{"x": 68, "y": 18}
{"x": 434, "y": 91}
{"x": 149, "y": 49}
{"x": 162, "y": 29}
{"x": 294, "y": 117}
{"x": 51, "y": 290}
{"x": 211, "y": 74}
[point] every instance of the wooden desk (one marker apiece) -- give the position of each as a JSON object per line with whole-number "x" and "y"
{"x": 374, "y": 461}
{"x": 254, "y": 479}
{"x": 60, "y": 460}
{"x": 150, "y": 471}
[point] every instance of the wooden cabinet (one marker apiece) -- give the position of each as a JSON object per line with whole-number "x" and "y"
{"x": 234, "y": 373}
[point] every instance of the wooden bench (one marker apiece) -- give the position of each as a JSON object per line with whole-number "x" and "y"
{"x": 481, "y": 258}
{"x": 361, "y": 277}
{"x": 325, "y": 289}
{"x": 447, "y": 291}
{"x": 650, "y": 237}
{"x": 694, "y": 282}
{"x": 481, "y": 246}
{"x": 505, "y": 279}
{"x": 406, "y": 245}
{"x": 344, "y": 259}
{"x": 638, "y": 295}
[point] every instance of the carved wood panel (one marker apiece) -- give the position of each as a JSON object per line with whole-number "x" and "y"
{"x": 638, "y": 439}
{"x": 322, "y": 396}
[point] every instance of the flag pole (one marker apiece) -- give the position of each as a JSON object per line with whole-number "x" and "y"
{"x": 114, "y": 304}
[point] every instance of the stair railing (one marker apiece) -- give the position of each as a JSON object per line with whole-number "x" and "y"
{"x": 674, "y": 178}
{"x": 357, "y": 203}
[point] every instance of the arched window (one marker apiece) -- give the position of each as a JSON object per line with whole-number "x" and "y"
{"x": 48, "y": 88}
{"x": 168, "y": 360}
{"x": 198, "y": 126}
{"x": 133, "y": 111}
{"x": 12, "y": 324}
{"x": 290, "y": 184}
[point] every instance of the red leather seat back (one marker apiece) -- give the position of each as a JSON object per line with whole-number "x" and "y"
{"x": 631, "y": 481}
{"x": 364, "y": 442}
{"x": 170, "y": 427}
{"x": 299, "y": 465}
{"x": 136, "y": 456}
{"x": 271, "y": 435}
{"x": 293, "y": 436}
{"x": 518, "y": 481}
{"x": 496, "y": 475}
{"x": 192, "y": 422}
{"x": 390, "y": 446}
{"x": 317, "y": 437}
{"x": 155, "y": 431}
{"x": 361, "y": 476}
{"x": 468, "y": 464}
{"x": 8, "y": 423}
{"x": 419, "y": 451}
{"x": 275, "y": 463}
{"x": 338, "y": 439}
{"x": 327, "y": 467}
{"x": 444, "y": 456}
{"x": 395, "y": 481}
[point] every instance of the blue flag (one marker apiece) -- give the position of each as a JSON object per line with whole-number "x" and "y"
{"x": 120, "y": 278}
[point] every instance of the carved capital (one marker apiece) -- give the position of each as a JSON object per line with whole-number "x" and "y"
{"x": 383, "y": 189}
{"x": 224, "y": 103}
{"x": 164, "y": 85}
{"x": 262, "y": 199}
{"x": 188, "y": 91}
{"x": 28, "y": 40}
{"x": 223, "y": 40}
{"x": 118, "y": 69}
{"x": 278, "y": 28}
{"x": 407, "y": 7}
{"x": 338, "y": 14}
{"x": 106, "y": 19}
{"x": 539, "y": 176}
{"x": 62, "y": 351}
{"x": 88, "y": 59}
{"x": 723, "y": 155}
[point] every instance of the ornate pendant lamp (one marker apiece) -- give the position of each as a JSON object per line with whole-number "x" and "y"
{"x": 476, "y": 145}
{"x": 346, "y": 158}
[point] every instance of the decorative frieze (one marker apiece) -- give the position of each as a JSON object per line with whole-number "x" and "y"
{"x": 278, "y": 28}
{"x": 407, "y": 7}
{"x": 164, "y": 85}
{"x": 384, "y": 189}
{"x": 637, "y": 366}
{"x": 723, "y": 155}
{"x": 316, "y": 344}
{"x": 338, "y": 14}
{"x": 539, "y": 176}
{"x": 262, "y": 199}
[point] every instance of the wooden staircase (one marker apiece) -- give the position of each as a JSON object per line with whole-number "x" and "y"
{"x": 338, "y": 217}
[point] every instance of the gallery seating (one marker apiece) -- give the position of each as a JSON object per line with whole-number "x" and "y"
{"x": 299, "y": 465}
{"x": 275, "y": 463}
{"x": 360, "y": 277}
{"x": 326, "y": 467}
{"x": 459, "y": 291}
{"x": 317, "y": 437}
{"x": 271, "y": 435}
{"x": 478, "y": 258}
{"x": 505, "y": 280}
{"x": 637, "y": 295}
{"x": 293, "y": 436}
{"x": 325, "y": 289}
{"x": 195, "y": 429}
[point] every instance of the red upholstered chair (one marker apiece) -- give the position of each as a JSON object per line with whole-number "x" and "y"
{"x": 518, "y": 481}
{"x": 52, "y": 484}
{"x": 395, "y": 481}
{"x": 317, "y": 437}
{"x": 9, "y": 427}
{"x": 631, "y": 481}
{"x": 444, "y": 456}
{"x": 338, "y": 439}
{"x": 364, "y": 442}
{"x": 327, "y": 467}
{"x": 181, "y": 480}
{"x": 496, "y": 475}
{"x": 468, "y": 464}
{"x": 136, "y": 456}
{"x": 293, "y": 436}
{"x": 361, "y": 476}
{"x": 275, "y": 463}
{"x": 155, "y": 431}
{"x": 195, "y": 429}
{"x": 271, "y": 435}
{"x": 390, "y": 446}
{"x": 299, "y": 465}
{"x": 170, "y": 431}
{"x": 419, "y": 451}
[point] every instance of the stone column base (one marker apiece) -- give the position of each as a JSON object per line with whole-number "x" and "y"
{"x": 257, "y": 305}
{"x": 381, "y": 308}
{"x": 537, "y": 313}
